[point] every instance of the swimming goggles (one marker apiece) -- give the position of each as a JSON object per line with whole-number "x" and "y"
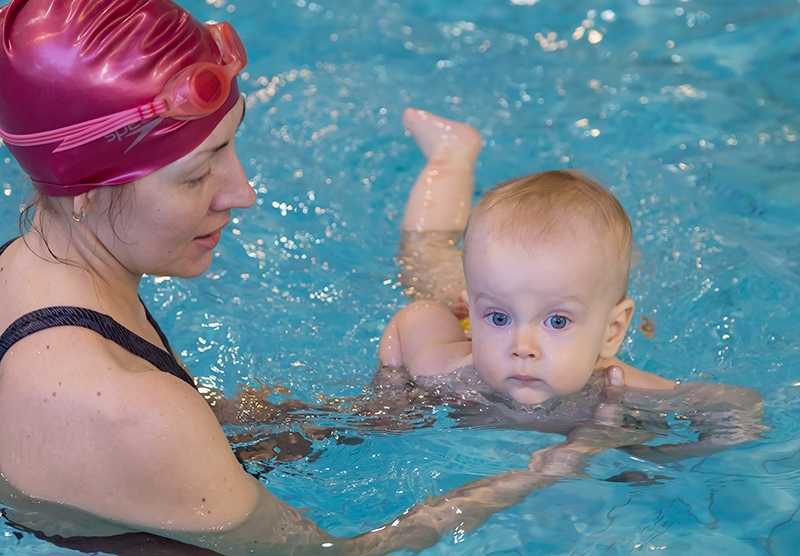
{"x": 194, "y": 92}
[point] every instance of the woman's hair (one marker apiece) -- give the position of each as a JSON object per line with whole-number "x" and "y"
{"x": 47, "y": 208}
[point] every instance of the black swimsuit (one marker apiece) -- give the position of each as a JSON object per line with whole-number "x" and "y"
{"x": 49, "y": 317}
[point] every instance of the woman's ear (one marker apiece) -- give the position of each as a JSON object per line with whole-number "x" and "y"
{"x": 80, "y": 206}
{"x": 619, "y": 318}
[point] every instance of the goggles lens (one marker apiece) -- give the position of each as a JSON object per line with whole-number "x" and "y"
{"x": 200, "y": 89}
{"x": 207, "y": 86}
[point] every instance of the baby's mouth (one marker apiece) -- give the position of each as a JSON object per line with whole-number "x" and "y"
{"x": 525, "y": 379}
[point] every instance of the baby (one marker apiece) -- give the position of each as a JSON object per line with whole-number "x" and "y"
{"x": 544, "y": 282}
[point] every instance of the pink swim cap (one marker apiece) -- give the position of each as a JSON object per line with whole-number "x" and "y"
{"x": 66, "y": 64}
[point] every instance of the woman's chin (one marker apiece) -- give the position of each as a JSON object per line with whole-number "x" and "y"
{"x": 190, "y": 268}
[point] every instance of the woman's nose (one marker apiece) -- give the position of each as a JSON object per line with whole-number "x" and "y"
{"x": 235, "y": 191}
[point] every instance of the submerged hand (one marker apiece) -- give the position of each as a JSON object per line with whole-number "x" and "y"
{"x": 605, "y": 431}
{"x": 609, "y": 411}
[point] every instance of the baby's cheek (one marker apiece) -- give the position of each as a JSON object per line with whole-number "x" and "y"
{"x": 484, "y": 366}
{"x": 573, "y": 377}
{"x": 584, "y": 357}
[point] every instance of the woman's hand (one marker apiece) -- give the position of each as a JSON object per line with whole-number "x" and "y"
{"x": 605, "y": 431}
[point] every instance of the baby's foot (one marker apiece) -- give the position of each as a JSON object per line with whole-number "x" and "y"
{"x": 440, "y": 139}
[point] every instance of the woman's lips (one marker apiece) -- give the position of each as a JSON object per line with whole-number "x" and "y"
{"x": 209, "y": 241}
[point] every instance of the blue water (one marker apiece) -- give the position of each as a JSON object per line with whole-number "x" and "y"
{"x": 687, "y": 109}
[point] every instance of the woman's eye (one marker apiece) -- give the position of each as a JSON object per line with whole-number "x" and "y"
{"x": 499, "y": 319}
{"x": 199, "y": 180}
{"x": 557, "y": 322}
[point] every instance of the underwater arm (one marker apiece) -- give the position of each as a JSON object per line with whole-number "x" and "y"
{"x": 251, "y": 405}
{"x": 462, "y": 509}
{"x": 274, "y": 528}
{"x": 466, "y": 508}
{"x": 192, "y": 492}
{"x": 723, "y": 415}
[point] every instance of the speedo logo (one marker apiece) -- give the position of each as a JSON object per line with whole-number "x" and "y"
{"x": 140, "y": 130}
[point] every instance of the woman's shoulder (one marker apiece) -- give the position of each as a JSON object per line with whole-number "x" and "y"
{"x": 135, "y": 445}
{"x": 73, "y": 377}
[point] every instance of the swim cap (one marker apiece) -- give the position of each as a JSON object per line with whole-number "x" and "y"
{"x": 131, "y": 76}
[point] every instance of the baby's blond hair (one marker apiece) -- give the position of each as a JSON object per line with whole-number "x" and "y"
{"x": 537, "y": 207}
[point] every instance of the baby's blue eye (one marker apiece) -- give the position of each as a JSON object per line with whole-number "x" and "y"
{"x": 499, "y": 319}
{"x": 557, "y": 322}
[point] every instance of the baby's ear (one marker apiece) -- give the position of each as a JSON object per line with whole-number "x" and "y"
{"x": 618, "y": 321}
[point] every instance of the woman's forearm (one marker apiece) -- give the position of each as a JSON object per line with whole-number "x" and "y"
{"x": 463, "y": 509}
{"x": 466, "y": 508}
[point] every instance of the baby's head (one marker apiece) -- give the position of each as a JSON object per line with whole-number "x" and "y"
{"x": 546, "y": 258}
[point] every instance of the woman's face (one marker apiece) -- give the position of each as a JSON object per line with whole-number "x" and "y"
{"x": 170, "y": 221}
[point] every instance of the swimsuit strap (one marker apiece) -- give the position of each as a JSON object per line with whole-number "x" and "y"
{"x": 107, "y": 327}
{"x": 160, "y": 332}
{"x": 6, "y": 244}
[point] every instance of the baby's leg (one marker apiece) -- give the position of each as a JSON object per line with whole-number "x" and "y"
{"x": 442, "y": 195}
{"x": 438, "y": 208}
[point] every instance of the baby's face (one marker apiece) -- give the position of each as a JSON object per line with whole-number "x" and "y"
{"x": 539, "y": 314}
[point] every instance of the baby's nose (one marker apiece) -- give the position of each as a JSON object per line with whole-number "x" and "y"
{"x": 525, "y": 346}
{"x": 524, "y": 352}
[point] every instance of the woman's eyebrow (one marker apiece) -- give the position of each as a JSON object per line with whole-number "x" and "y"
{"x": 213, "y": 150}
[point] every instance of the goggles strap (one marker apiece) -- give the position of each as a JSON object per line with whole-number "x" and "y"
{"x": 77, "y": 135}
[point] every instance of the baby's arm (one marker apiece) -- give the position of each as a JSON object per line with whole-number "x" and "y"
{"x": 438, "y": 208}
{"x": 425, "y": 338}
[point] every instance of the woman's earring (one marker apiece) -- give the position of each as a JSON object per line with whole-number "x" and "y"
{"x": 78, "y": 218}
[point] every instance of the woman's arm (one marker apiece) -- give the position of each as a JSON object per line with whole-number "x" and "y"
{"x": 251, "y": 405}
{"x": 723, "y": 416}
{"x": 172, "y": 474}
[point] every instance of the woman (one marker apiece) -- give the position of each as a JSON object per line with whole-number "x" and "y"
{"x": 123, "y": 113}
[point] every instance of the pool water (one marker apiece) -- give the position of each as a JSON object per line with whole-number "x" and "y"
{"x": 687, "y": 109}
